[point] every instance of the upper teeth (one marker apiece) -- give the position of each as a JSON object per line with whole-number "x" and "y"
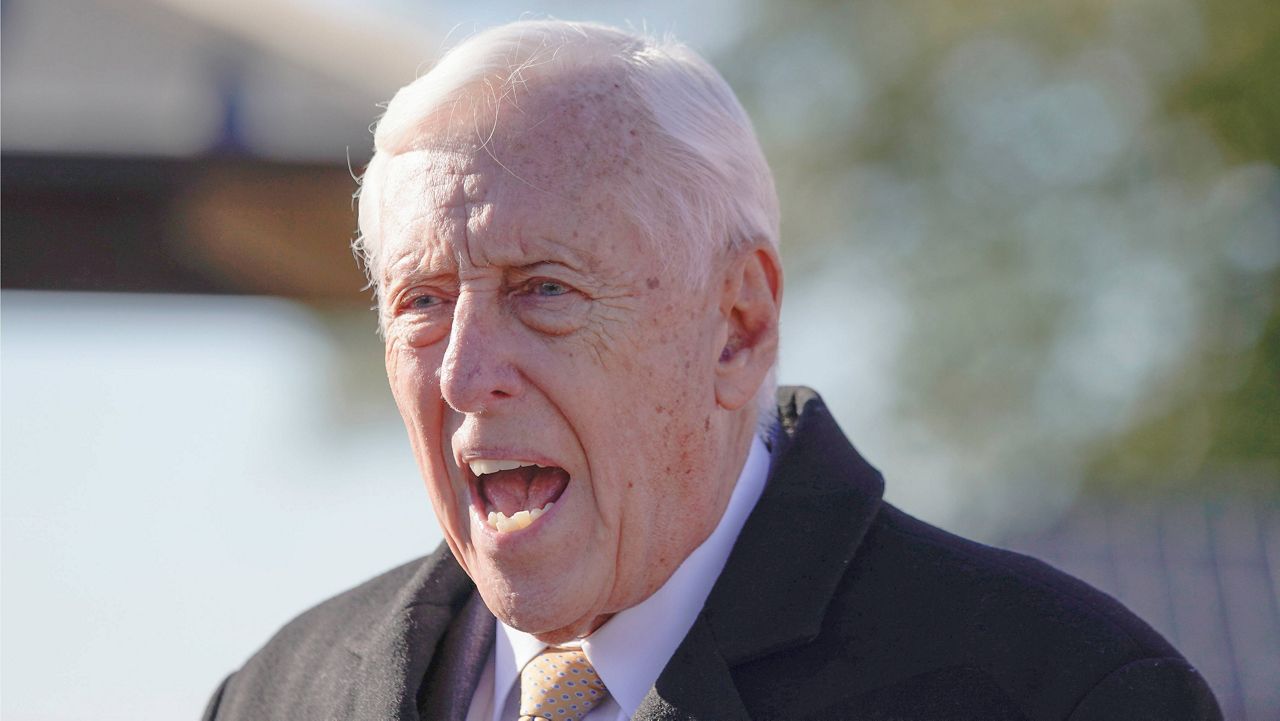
{"x": 482, "y": 466}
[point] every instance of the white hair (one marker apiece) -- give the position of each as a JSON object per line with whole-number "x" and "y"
{"x": 706, "y": 187}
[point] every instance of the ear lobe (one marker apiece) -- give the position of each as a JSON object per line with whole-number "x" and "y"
{"x": 750, "y": 302}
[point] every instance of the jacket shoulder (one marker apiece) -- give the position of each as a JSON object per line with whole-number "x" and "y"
{"x": 1005, "y": 589}
{"x": 298, "y": 666}
{"x": 1043, "y": 640}
{"x": 333, "y": 619}
{"x": 927, "y": 625}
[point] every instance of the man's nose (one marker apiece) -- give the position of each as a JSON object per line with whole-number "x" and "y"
{"x": 478, "y": 371}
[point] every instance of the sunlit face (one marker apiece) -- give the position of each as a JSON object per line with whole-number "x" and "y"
{"x": 529, "y": 324}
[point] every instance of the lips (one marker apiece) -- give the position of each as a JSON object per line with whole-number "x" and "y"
{"x": 515, "y": 493}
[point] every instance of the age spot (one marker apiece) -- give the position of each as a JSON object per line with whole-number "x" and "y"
{"x": 653, "y": 283}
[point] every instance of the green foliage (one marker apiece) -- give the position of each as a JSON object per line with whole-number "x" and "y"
{"x": 1068, "y": 208}
{"x": 1230, "y": 418}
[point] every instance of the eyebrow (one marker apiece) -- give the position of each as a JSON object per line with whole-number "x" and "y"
{"x": 530, "y": 268}
{"x": 576, "y": 259}
{"x": 543, "y": 250}
{"x": 552, "y": 252}
{"x": 409, "y": 269}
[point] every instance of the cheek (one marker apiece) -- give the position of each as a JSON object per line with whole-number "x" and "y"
{"x": 413, "y": 374}
{"x": 678, "y": 398}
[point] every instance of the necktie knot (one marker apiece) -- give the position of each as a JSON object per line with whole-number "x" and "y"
{"x": 559, "y": 684}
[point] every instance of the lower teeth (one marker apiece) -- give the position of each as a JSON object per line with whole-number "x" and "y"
{"x": 517, "y": 520}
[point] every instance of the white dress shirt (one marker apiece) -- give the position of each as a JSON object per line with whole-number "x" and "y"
{"x": 632, "y": 647}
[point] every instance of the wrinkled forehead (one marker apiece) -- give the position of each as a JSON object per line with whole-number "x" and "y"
{"x": 564, "y": 134}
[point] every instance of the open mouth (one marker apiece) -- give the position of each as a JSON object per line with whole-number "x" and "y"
{"x": 516, "y": 493}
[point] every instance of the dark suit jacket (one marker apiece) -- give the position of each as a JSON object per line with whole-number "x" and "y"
{"x": 833, "y": 605}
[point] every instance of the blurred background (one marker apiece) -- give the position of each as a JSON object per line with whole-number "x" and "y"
{"x": 1033, "y": 258}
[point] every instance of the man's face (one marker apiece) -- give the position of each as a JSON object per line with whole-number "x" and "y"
{"x": 529, "y": 324}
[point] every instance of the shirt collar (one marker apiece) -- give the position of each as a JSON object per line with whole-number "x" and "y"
{"x": 631, "y": 649}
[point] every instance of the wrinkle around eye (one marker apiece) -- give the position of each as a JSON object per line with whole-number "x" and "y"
{"x": 421, "y": 316}
{"x": 557, "y": 313}
{"x": 418, "y": 331}
{"x": 421, "y": 298}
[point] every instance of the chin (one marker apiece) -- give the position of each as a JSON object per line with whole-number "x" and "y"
{"x": 543, "y": 607}
{"x": 551, "y": 625}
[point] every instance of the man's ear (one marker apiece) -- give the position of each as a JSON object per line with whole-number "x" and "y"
{"x": 750, "y": 301}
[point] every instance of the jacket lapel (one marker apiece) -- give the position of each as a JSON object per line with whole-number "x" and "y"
{"x": 396, "y": 649}
{"x": 451, "y": 681}
{"x": 695, "y": 684}
{"x": 793, "y": 550}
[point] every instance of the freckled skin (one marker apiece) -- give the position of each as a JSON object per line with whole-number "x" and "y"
{"x": 611, "y": 379}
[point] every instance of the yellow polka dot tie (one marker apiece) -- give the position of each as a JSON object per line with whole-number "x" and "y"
{"x": 559, "y": 684}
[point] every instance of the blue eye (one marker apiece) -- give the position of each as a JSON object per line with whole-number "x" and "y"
{"x": 550, "y": 288}
{"x": 424, "y": 301}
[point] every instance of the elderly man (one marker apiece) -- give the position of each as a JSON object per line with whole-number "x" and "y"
{"x": 573, "y": 234}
